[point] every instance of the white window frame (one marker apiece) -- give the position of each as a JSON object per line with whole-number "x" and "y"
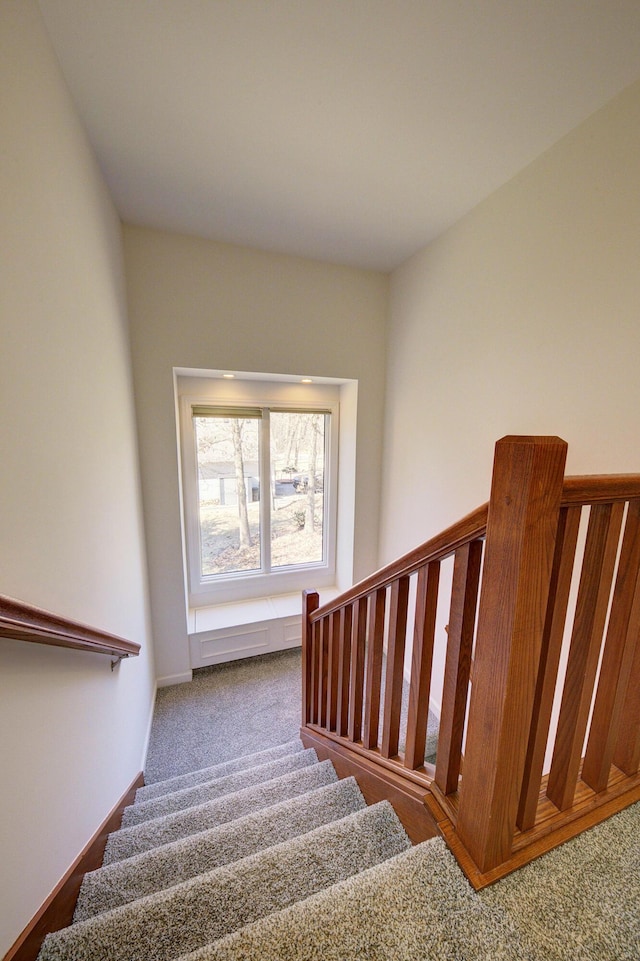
{"x": 223, "y": 588}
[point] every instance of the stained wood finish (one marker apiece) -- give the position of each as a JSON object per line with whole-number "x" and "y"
{"x": 324, "y": 671}
{"x": 356, "y": 680}
{"x": 462, "y": 619}
{"x": 57, "y": 911}
{"x": 23, "y": 622}
{"x": 600, "y": 489}
{"x": 373, "y": 670}
{"x": 627, "y": 752}
{"x": 395, "y": 666}
{"x": 378, "y": 784}
{"x": 521, "y": 530}
{"x": 310, "y": 603}
{"x": 333, "y": 666}
{"x": 344, "y": 662}
{"x": 591, "y": 611}
{"x": 617, "y": 659}
{"x": 496, "y": 810}
{"x": 421, "y": 662}
{"x": 437, "y": 548}
{"x": 563, "y": 562}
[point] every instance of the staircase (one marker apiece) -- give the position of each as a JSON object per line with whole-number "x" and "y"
{"x": 202, "y": 856}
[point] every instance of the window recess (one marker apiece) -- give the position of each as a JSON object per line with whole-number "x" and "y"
{"x": 260, "y": 504}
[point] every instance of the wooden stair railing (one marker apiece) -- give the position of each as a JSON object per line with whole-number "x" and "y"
{"x": 542, "y": 608}
{"x": 23, "y": 622}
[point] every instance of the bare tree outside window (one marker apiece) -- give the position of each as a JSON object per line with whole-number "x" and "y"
{"x": 230, "y": 491}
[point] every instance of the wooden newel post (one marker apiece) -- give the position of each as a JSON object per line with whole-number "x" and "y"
{"x": 526, "y": 489}
{"x": 310, "y": 603}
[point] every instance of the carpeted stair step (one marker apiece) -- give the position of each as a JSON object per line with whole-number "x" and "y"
{"x": 182, "y": 781}
{"x": 414, "y": 906}
{"x": 150, "y": 834}
{"x": 155, "y": 870}
{"x": 197, "y": 912}
{"x": 200, "y": 793}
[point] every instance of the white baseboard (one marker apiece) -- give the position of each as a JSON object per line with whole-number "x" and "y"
{"x": 175, "y": 679}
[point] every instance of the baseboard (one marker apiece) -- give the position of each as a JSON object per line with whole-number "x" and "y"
{"x": 57, "y": 910}
{"x": 175, "y": 679}
{"x": 152, "y": 710}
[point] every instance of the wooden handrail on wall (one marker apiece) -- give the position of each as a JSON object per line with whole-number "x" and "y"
{"x": 543, "y": 608}
{"x": 20, "y": 621}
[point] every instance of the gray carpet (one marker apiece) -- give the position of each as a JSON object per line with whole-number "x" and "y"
{"x": 201, "y": 793}
{"x": 577, "y": 903}
{"x": 296, "y": 868}
{"x": 181, "y": 781}
{"x": 125, "y": 881}
{"x": 181, "y": 824}
{"x": 227, "y": 711}
{"x": 203, "y": 909}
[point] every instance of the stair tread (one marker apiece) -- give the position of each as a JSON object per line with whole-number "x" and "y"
{"x": 386, "y": 911}
{"x": 206, "y": 908}
{"x": 150, "y": 834}
{"x": 180, "y": 781}
{"x": 125, "y": 881}
{"x": 200, "y": 793}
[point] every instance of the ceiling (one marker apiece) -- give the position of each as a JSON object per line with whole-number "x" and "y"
{"x": 353, "y": 131}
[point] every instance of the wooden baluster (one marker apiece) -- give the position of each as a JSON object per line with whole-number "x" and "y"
{"x": 356, "y": 681}
{"x": 616, "y": 660}
{"x": 521, "y": 531}
{"x": 310, "y": 603}
{"x": 333, "y": 666}
{"x": 591, "y": 611}
{"x": 462, "y": 620}
{"x": 395, "y": 667}
{"x": 373, "y": 678}
{"x": 344, "y": 662}
{"x": 323, "y": 674}
{"x": 563, "y": 562}
{"x": 421, "y": 663}
{"x": 627, "y": 753}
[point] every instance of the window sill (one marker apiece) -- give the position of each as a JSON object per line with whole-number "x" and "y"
{"x": 226, "y": 632}
{"x": 220, "y": 616}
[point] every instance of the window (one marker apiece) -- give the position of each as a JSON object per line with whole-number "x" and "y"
{"x": 259, "y": 493}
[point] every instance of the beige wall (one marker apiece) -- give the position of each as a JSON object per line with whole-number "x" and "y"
{"x": 73, "y": 732}
{"x": 524, "y": 318}
{"x": 198, "y": 304}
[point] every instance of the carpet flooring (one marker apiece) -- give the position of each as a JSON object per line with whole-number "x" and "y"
{"x": 295, "y": 867}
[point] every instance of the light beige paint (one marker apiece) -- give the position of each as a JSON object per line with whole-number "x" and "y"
{"x": 522, "y": 319}
{"x": 350, "y": 131}
{"x": 205, "y": 305}
{"x": 73, "y": 733}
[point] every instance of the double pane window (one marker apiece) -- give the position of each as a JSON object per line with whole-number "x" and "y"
{"x": 262, "y": 475}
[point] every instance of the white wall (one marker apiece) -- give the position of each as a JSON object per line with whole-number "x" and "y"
{"x": 522, "y": 319}
{"x": 199, "y": 304}
{"x": 73, "y": 732}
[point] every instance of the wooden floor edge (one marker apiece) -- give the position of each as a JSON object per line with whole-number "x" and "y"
{"x": 57, "y": 911}
{"x": 378, "y": 784}
{"x": 562, "y": 833}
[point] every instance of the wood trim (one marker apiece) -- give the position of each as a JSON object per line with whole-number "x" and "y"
{"x": 57, "y": 910}
{"x": 599, "y": 489}
{"x": 421, "y": 777}
{"x": 470, "y": 528}
{"x": 23, "y": 622}
{"x": 378, "y": 784}
{"x": 547, "y": 835}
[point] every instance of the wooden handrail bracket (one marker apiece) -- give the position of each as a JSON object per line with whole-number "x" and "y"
{"x": 514, "y": 644}
{"x": 23, "y": 622}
